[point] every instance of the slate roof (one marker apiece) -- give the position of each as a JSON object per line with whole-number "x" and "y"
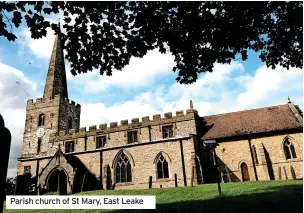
{"x": 262, "y": 120}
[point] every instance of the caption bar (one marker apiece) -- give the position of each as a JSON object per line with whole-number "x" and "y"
{"x": 80, "y": 202}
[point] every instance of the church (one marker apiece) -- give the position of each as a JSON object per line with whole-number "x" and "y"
{"x": 153, "y": 152}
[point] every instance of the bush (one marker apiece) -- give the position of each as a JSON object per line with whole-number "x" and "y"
{"x": 9, "y": 186}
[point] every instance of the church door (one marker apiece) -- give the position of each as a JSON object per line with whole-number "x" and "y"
{"x": 58, "y": 182}
{"x": 62, "y": 183}
{"x": 245, "y": 173}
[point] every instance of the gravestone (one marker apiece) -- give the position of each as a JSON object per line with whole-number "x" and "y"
{"x": 5, "y": 141}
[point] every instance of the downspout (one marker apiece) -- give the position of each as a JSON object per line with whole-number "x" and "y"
{"x": 149, "y": 128}
{"x": 100, "y": 169}
{"x": 37, "y": 178}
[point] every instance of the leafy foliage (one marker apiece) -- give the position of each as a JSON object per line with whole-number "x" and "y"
{"x": 299, "y": 110}
{"x": 105, "y": 35}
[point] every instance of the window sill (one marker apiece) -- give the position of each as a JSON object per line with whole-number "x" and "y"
{"x": 291, "y": 159}
{"x": 136, "y": 142}
{"x": 163, "y": 180}
{"x": 124, "y": 184}
{"x": 168, "y": 137}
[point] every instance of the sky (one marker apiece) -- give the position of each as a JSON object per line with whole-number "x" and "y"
{"x": 145, "y": 87}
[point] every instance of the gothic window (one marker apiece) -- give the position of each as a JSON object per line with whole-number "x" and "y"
{"x": 162, "y": 167}
{"x": 168, "y": 131}
{"x": 132, "y": 137}
{"x": 69, "y": 146}
{"x": 39, "y": 145}
{"x": 255, "y": 156}
{"x": 27, "y": 170}
{"x": 41, "y": 120}
{"x": 69, "y": 123}
{"x": 289, "y": 149}
{"x": 123, "y": 171}
{"x": 101, "y": 141}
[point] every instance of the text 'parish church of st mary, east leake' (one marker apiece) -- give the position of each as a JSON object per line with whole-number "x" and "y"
{"x": 165, "y": 151}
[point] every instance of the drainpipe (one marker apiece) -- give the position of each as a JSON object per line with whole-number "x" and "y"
{"x": 37, "y": 178}
{"x": 149, "y": 128}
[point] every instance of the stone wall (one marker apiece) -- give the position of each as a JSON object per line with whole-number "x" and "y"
{"x": 53, "y": 109}
{"x": 269, "y": 149}
{"x": 144, "y": 166}
{"x": 50, "y": 110}
{"x": 68, "y": 109}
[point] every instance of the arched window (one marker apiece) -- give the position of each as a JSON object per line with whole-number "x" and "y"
{"x": 289, "y": 149}
{"x": 255, "y": 156}
{"x": 162, "y": 167}
{"x": 39, "y": 145}
{"x": 123, "y": 171}
{"x": 69, "y": 123}
{"x": 41, "y": 120}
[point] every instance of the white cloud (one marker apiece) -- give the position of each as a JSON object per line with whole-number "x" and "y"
{"x": 164, "y": 99}
{"x": 15, "y": 89}
{"x": 141, "y": 72}
{"x": 206, "y": 86}
{"x": 176, "y": 97}
{"x": 266, "y": 82}
{"x": 142, "y": 105}
{"x": 41, "y": 48}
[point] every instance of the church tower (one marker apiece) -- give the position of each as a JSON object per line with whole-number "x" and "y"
{"x": 51, "y": 113}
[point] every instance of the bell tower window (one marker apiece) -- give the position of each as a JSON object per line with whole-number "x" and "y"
{"x": 69, "y": 123}
{"x": 69, "y": 146}
{"x": 41, "y": 120}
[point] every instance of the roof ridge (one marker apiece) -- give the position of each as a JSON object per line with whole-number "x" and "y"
{"x": 244, "y": 110}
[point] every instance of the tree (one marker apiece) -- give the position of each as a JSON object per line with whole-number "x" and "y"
{"x": 105, "y": 35}
{"x": 9, "y": 186}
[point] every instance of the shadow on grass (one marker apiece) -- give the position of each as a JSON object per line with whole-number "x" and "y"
{"x": 275, "y": 199}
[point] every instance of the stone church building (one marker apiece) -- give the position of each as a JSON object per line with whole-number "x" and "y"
{"x": 161, "y": 151}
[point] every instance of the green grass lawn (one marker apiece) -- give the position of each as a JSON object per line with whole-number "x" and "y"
{"x": 263, "y": 196}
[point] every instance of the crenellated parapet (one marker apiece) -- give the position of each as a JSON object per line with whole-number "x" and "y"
{"x": 125, "y": 125}
{"x": 41, "y": 102}
{"x": 71, "y": 103}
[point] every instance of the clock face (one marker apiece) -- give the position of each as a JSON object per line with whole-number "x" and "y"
{"x": 40, "y": 132}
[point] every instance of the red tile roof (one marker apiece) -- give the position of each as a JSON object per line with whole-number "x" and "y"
{"x": 262, "y": 120}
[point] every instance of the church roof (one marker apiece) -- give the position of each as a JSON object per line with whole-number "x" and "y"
{"x": 56, "y": 82}
{"x": 255, "y": 121}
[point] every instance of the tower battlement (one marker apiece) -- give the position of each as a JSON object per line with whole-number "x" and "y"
{"x": 41, "y": 102}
